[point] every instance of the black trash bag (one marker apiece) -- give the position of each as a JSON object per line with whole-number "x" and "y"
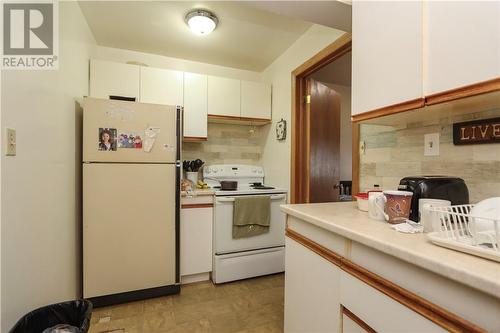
{"x": 73, "y": 313}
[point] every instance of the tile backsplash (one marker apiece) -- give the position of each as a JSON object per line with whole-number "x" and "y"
{"x": 393, "y": 152}
{"x": 227, "y": 143}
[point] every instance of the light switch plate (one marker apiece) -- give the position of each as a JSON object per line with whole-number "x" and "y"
{"x": 10, "y": 149}
{"x": 431, "y": 144}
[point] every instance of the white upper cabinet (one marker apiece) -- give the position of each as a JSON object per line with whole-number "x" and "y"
{"x": 387, "y": 53}
{"x": 161, "y": 86}
{"x": 255, "y": 100}
{"x": 195, "y": 105}
{"x": 223, "y": 96}
{"x": 109, "y": 78}
{"x": 462, "y": 43}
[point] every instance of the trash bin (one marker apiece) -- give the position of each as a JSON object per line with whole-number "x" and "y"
{"x": 73, "y": 313}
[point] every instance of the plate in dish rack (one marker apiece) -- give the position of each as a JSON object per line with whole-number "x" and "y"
{"x": 465, "y": 246}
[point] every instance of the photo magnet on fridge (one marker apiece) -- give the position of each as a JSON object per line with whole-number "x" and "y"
{"x": 129, "y": 140}
{"x": 107, "y": 139}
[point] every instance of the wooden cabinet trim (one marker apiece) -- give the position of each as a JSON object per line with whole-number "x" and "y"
{"x": 442, "y": 97}
{"x": 391, "y": 109}
{"x": 357, "y": 320}
{"x": 462, "y": 92}
{"x": 204, "y": 205}
{"x": 431, "y": 311}
{"x": 234, "y": 118}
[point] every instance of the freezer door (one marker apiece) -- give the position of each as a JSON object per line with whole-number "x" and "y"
{"x": 129, "y": 227}
{"x": 123, "y": 120}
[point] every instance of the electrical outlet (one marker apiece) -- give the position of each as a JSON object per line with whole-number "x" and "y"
{"x": 10, "y": 149}
{"x": 431, "y": 144}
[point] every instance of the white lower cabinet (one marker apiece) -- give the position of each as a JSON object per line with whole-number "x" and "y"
{"x": 318, "y": 293}
{"x": 311, "y": 291}
{"x": 351, "y": 326}
{"x": 196, "y": 242}
{"x": 378, "y": 311}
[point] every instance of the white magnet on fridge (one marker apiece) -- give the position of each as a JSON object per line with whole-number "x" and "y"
{"x": 150, "y": 137}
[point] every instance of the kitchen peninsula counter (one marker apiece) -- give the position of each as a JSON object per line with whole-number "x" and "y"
{"x": 404, "y": 269}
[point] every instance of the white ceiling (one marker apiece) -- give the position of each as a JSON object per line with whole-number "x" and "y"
{"x": 336, "y": 72}
{"x": 331, "y": 13}
{"x": 246, "y": 38}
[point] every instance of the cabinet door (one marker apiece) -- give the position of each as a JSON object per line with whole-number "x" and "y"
{"x": 109, "y": 78}
{"x": 351, "y": 326}
{"x": 255, "y": 100}
{"x": 311, "y": 291}
{"x": 223, "y": 96}
{"x": 463, "y": 43}
{"x": 195, "y": 105}
{"x": 196, "y": 240}
{"x": 379, "y": 311}
{"x": 161, "y": 86}
{"x": 386, "y": 53}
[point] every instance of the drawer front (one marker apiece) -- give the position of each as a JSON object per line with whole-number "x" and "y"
{"x": 380, "y": 312}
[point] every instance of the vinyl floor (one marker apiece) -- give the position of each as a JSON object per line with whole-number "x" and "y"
{"x": 247, "y": 306}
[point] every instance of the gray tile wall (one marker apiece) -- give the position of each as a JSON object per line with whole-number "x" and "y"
{"x": 395, "y": 152}
{"x": 227, "y": 143}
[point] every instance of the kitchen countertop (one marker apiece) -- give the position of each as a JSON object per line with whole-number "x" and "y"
{"x": 343, "y": 218}
{"x": 199, "y": 192}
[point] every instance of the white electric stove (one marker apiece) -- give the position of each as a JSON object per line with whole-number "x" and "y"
{"x": 242, "y": 258}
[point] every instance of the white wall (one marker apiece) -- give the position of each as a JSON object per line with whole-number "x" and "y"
{"x": 40, "y": 187}
{"x": 153, "y": 60}
{"x": 276, "y": 156}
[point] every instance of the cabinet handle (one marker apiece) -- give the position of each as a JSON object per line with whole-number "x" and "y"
{"x": 231, "y": 199}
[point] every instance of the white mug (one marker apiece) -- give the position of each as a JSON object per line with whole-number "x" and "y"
{"x": 375, "y": 212}
{"x": 424, "y": 212}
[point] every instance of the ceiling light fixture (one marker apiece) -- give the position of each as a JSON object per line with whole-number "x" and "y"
{"x": 201, "y": 22}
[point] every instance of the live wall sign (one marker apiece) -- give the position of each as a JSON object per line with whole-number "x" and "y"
{"x": 477, "y": 132}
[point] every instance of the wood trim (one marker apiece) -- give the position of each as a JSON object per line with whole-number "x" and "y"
{"x": 357, "y": 320}
{"x": 194, "y": 139}
{"x": 355, "y": 159}
{"x": 201, "y": 205}
{"x": 391, "y": 109}
{"x": 466, "y": 91}
{"x": 338, "y": 48}
{"x": 327, "y": 254}
{"x": 431, "y": 311}
{"x": 299, "y": 163}
{"x": 234, "y": 118}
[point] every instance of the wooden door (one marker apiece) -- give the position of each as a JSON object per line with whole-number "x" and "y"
{"x": 323, "y": 113}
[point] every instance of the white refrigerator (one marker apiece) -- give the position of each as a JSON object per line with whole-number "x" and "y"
{"x": 131, "y": 191}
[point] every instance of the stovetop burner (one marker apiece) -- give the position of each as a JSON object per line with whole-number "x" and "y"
{"x": 262, "y": 187}
{"x": 259, "y": 186}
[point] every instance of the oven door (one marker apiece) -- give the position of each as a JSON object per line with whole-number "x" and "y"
{"x": 223, "y": 227}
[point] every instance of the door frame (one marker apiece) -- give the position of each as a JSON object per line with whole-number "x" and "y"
{"x": 299, "y": 180}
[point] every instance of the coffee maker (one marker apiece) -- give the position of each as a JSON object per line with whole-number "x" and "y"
{"x": 434, "y": 187}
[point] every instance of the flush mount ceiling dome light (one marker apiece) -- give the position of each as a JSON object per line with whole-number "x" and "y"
{"x": 201, "y": 22}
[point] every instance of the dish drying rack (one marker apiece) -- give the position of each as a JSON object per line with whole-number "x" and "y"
{"x": 455, "y": 228}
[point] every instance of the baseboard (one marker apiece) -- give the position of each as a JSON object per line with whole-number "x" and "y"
{"x": 135, "y": 295}
{"x": 193, "y": 278}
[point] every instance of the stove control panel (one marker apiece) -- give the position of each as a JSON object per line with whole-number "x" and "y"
{"x": 222, "y": 171}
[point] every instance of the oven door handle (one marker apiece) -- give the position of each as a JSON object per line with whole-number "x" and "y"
{"x": 231, "y": 199}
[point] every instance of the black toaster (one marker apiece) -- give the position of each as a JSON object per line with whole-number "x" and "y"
{"x": 434, "y": 187}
